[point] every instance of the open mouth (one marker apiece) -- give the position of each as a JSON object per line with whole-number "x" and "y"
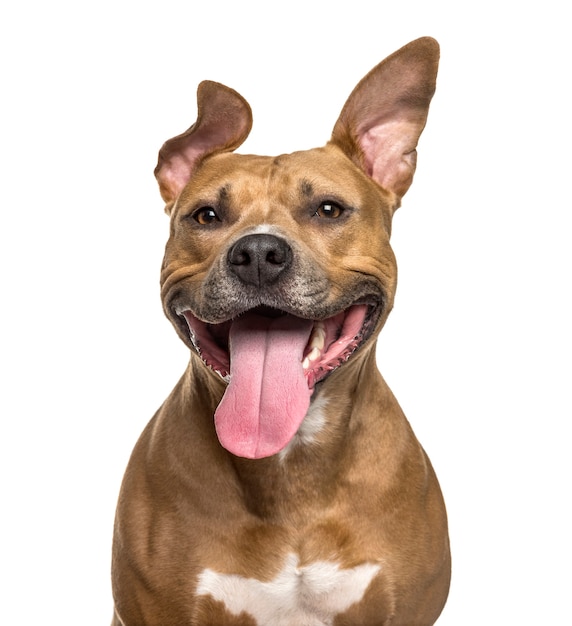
{"x": 272, "y": 360}
{"x": 330, "y": 342}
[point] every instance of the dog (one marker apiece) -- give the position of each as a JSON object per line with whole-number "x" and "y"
{"x": 280, "y": 484}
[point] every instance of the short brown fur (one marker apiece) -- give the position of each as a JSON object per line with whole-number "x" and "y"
{"x": 363, "y": 490}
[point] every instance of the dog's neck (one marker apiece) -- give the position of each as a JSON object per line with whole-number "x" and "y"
{"x": 312, "y": 467}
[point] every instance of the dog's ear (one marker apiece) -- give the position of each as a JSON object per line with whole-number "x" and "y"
{"x": 224, "y": 120}
{"x": 385, "y": 114}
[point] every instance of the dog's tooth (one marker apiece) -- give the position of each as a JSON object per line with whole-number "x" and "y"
{"x": 314, "y": 354}
{"x": 318, "y": 336}
{"x": 319, "y": 340}
{"x": 317, "y": 343}
{"x": 311, "y": 356}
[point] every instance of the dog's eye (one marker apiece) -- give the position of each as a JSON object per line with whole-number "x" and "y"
{"x": 205, "y": 215}
{"x": 329, "y": 210}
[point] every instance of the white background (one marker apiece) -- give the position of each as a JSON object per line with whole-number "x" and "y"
{"x": 477, "y": 348}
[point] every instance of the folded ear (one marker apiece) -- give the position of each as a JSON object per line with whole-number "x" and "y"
{"x": 384, "y": 116}
{"x": 224, "y": 120}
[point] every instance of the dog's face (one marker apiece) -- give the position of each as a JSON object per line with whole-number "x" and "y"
{"x": 282, "y": 266}
{"x": 299, "y": 235}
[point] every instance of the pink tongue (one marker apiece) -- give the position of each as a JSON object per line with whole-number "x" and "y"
{"x": 268, "y": 396}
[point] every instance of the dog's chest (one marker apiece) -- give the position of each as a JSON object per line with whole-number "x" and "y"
{"x": 309, "y": 595}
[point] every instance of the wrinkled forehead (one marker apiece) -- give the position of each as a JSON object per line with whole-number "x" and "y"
{"x": 296, "y": 178}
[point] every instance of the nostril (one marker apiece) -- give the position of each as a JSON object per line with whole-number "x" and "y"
{"x": 239, "y": 254}
{"x": 240, "y": 257}
{"x": 275, "y": 257}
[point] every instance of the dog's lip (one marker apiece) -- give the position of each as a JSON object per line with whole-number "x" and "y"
{"x": 333, "y": 340}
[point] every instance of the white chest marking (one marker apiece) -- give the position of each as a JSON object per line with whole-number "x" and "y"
{"x": 306, "y": 596}
{"x": 311, "y": 426}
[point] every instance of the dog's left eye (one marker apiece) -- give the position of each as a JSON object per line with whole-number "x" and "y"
{"x": 205, "y": 215}
{"x": 329, "y": 210}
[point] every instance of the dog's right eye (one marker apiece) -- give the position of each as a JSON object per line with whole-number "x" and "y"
{"x": 205, "y": 215}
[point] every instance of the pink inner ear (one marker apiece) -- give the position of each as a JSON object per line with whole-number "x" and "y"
{"x": 389, "y": 152}
{"x": 223, "y": 122}
{"x": 174, "y": 174}
{"x": 381, "y": 122}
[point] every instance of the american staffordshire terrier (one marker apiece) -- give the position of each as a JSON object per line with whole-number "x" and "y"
{"x": 280, "y": 484}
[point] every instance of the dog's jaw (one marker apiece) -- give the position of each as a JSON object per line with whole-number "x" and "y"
{"x": 331, "y": 343}
{"x": 271, "y": 362}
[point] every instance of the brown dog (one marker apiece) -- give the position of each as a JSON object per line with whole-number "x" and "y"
{"x": 280, "y": 483}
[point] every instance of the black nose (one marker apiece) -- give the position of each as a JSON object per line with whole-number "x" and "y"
{"x": 259, "y": 259}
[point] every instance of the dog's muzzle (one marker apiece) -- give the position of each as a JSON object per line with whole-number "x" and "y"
{"x": 271, "y": 329}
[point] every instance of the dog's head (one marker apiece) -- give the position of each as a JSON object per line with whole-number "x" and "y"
{"x": 279, "y": 269}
